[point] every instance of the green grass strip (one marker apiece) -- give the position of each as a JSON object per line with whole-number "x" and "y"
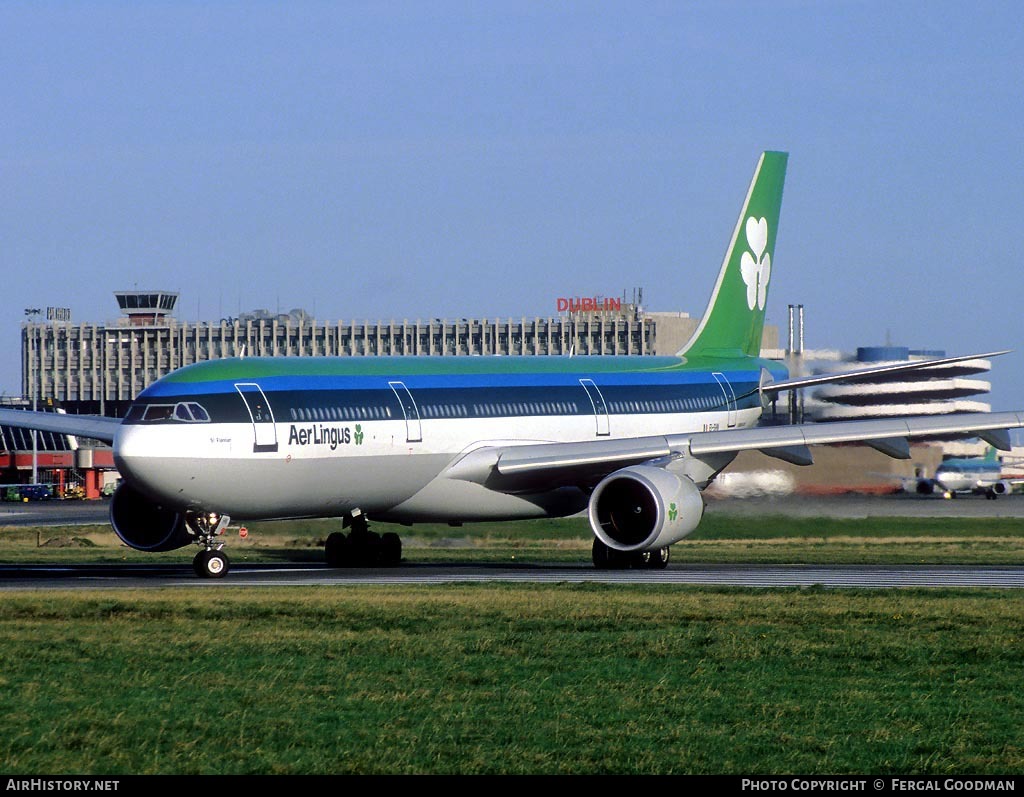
{"x": 511, "y": 679}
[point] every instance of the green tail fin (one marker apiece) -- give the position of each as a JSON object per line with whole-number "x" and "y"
{"x": 734, "y": 320}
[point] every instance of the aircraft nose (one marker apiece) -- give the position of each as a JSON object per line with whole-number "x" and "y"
{"x": 136, "y": 455}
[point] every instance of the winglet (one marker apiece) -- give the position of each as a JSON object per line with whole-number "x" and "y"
{"x": 734, "y": 320}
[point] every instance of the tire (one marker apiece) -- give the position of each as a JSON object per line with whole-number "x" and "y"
{"x": 605, "y": 558}
{"x": 211, "y": 564}
{"x": 336, "y": 549}
{"x": 390, "y": 549}
{"x": 364, "y": 549}
{"x": 658, "y": 558}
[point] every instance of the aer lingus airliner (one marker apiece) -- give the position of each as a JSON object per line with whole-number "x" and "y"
{"x": 631, "y": 440}
{"x": 966, "y": 475}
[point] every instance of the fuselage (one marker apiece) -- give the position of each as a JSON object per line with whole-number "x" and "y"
{"x": 288, "y": 437}
{"x": 961, "y": 475}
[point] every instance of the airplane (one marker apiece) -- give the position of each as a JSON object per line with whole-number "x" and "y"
{"x": 630, "y": 440}
{"x": 966, "y": 475}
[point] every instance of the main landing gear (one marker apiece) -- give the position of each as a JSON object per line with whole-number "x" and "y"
{"x": 362, "y": 547}
{"x": 606, "y": 558}
{"x": 211, "y": 562}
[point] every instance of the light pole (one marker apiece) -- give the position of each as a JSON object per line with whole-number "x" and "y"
{"x": 32, "y": 313}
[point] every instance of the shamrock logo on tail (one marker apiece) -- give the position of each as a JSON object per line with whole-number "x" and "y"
{"x": 756, "y": 268}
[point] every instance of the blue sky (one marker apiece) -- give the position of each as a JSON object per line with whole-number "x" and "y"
{"x": 421, "y": 159}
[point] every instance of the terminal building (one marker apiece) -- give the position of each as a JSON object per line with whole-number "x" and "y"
{"x": 941, "y": 390}
{"x": 99, "y": 368}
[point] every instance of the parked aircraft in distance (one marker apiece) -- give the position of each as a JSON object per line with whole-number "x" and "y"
{"x": 966, "y": 475}
{"x": 631, "y": 440}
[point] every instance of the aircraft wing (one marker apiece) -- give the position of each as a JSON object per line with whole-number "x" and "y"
{"x": 96, "y": 427}
{"x": 518, "y": 467}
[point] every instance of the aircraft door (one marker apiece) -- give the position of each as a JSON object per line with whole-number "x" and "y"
{"x": 264, "y": 429}
{"x": 413, "y": 431}
{"x": 730, "y": 397}
{"x": 600, "y": 408}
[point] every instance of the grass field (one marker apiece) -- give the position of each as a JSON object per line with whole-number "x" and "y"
{"x": 502, "y": 679}
{"x": 523, "y": 679}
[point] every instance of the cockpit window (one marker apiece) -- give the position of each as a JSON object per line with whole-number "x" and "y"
{"x": 158, "y": 412}
{"x": 186, "y": 411}
{"x": 198, "y": 413}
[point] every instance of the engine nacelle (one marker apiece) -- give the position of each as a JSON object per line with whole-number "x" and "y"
{"x": 925, "y": 487}
{"x": 643, "y": 508}
{"x": 145, "y": 525}
{"x": 1002, "y": 488}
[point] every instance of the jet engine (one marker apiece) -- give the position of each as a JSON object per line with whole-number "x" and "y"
{"x": 642, "y": 508}
{"x": 145, "y": 525}
{"x": 1002, "y": 488}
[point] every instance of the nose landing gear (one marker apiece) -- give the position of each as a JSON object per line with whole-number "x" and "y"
{"x": 205, "y": 527}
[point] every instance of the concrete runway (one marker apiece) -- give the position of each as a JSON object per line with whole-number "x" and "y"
{"x": 77, "y": 577}
{"x": 135, "y": 576}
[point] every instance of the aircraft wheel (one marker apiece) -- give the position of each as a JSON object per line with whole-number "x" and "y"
{"x": 364, "y": 548}
{"x": 390, "y": 549}
{"x": 606, "y": 558}
{"x": 335, "y": 549}
{"x": 658, "y": 558}
{"x": 210, "y": 564}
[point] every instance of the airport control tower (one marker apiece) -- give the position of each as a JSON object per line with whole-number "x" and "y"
{"x": 146, "y": 307}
